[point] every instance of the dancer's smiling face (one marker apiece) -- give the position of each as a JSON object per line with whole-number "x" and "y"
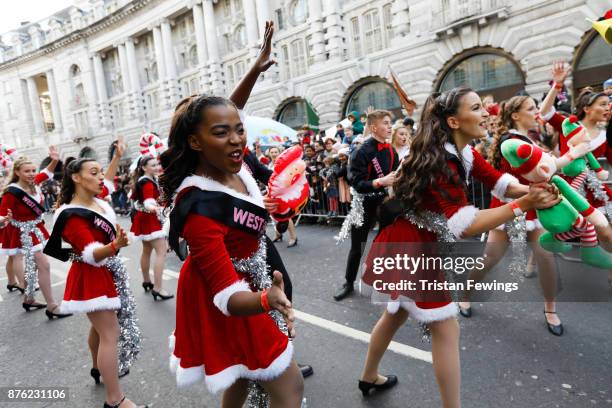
{"x": 220, "y": 140}
{"x": 470, "y": 120}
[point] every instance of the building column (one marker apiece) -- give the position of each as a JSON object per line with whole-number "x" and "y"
{"x": 102, "y": 105}
{"x": 316, "y": 31}
{"x": 55, "y": 108}
{"x": 334, "y": 36}
{"x": 136, "y": 94}
{"x": 213, "y": 48}
{"x": 400, "y": 21}
{"x": 264, "y": 13}
{"x": 37, "y": 118}
{"x": 123, "y": 66}
{"x": 250, "y": 19}
{"x": 92, "y": 94}
{"x": 171, "y": 73}
{"x": 200, "y": 34}
{"x": 161, "y": 65}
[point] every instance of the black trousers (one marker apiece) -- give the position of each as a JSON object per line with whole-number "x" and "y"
{"x": 275, "y": 263}
{"x": 359, "y": 237}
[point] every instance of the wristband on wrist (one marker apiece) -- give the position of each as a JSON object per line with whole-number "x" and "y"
{"x": 375, "y": 183}
{"x": 263, "y": 298}
{"x": 558, "y": 86}
{"x": 113, "y": 247}
{"x": 516, "y": 209}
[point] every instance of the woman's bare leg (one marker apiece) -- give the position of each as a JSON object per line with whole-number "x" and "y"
{"x": 93, "y": 341}
{"x": 548, "y": 275}
{"x": 18, "y": 268}
{"x": 446, "y": 361}
{"x": 145, "y": 261}
{"x": 160, "y": 247}
{"x": 235, "y": 396}
{"x": 287, "y": 390}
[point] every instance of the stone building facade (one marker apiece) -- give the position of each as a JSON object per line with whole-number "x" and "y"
{"x": 105, "y": 67}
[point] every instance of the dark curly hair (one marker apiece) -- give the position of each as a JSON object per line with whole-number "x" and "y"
{"x": 507, "y": 108}
{"x": 137, "y": 174}
{"x": 179, "y": 160}
{"x": 426, "y": 163}
{"x": 68, "y": 187}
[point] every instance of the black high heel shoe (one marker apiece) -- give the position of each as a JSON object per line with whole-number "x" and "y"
{"x": 121, "y": 402}
{"x": 35, "y": 306}
{"x": 293, "y": 244}
{"x": 52, "y": 315}
{"x": 557, "y": 330}
{"x": 11, "y": 287}
{"x": 278, "y": 239}
{"x": 365, "y": 386}
{"x": 95, "y": 373}
{"x": 147, "y": 286}
{"x": 156, "y": 294}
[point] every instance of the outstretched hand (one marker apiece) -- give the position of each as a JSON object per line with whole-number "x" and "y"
{"x": 53, "y": 153}
{"x": 560, "y": 72}
{"x": 264, "y": 60}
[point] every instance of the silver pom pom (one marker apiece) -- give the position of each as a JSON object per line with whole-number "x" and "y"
{"x": 26, "y": 229}
{"x": 599, "y": 192}
{"x": 354, "y": 217}
{"x": 517, "y": 234}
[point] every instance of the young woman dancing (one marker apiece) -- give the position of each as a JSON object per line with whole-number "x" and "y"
{"x": 25, "y": 235}
{"x": 431, "y": 188}
{"x": 230, "y": 315}
{"x": 96, "y": 282}
{"x": 147, "y": 225}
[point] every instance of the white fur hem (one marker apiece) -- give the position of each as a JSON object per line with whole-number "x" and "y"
{"x": 88, "y": 256}
{"x": 424, "y": 315}
{"x": 222, "y": 298}
{"x": 150, "y": 237}
{"x": 224, "y": 379}
{"x": 90, "y": 305}
{"x": 17, "y": 251}
{"x": 501, "y": 186}
{"x": 461, "y": 220}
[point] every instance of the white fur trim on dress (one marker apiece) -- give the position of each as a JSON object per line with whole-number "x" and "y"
{"x": 109, "y": 213}
{"x": 548, "y": 115}
{"x": 17, "y": 251}
{"x": 110, "y": 186}
{"x": 88, "y": 256}
{"x": 224, "y": 379}
{"x": 150, "y": 204}
{"x": 150, "y": 237}
{"x": 461, "y": 220}
{"x": 90, "y": 305}
{"x": 205, "y": 183}
{"x": 47, "y": 172}
{"x": 222, "y": 298}
{"x": 501, "y": 186}
{"x": 424, "y": 315}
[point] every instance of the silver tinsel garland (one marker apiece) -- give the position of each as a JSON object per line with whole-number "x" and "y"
{"x": 599, "y": 192}
{"x": 517, "y": 234}
{"x": 26, "y": 228}
{"x": 256, "y": 268}
{"x": 160, "y": 214}
{"x": 354, "y": 217}
{"x": 129, "y": 332}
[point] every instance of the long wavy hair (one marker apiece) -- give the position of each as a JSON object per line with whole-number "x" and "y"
{"x": 426, "y": 163}
{"x": 507, "y": 108}
{"x": 180, "y": 160}
{"x": 68, "y": 187}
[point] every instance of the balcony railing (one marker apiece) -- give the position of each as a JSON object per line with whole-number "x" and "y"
{"x": 455, "y": 11}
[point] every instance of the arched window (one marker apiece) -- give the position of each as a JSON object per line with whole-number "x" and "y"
{"x": 593, "y": 63}
{"x": 298, "y": 11}
{"x": 376, "y": 93}
{"x": 486, "y": 73}
{"x": 297, "y": 113}
{"x": 78, "y": 90}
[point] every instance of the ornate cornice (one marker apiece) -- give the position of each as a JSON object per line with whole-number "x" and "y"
{"x": 103, "y": 24}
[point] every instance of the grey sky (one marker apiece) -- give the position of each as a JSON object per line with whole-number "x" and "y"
{"x": 16, "y": 11}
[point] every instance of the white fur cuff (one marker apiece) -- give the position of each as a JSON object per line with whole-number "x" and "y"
{"x": 548, "y": 115}
{"x": 109, "y": 186}
{"x": 88, "y": 256}
{"x": 47, "y": 172}
{"x": 461, "y": 220}
{"x": 222, "y": 298}
{"x": 501, "y": 186}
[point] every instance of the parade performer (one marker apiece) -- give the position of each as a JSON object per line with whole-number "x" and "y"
{"x": 592, "y": 111}
{"x": 371, "y": 169}
{"x": 97, "y": 282}
{"x": 431, "y": 188}
{"x": 147, "y": 225}
{"x": 232, "y": 320}
{"x": 23, "y": 239}
{"x": 517, "y": 116}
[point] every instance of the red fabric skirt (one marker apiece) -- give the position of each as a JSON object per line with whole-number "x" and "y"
{"x": 11, "y": 239}
{"x": 146, "y": 226}
{"x": 89, "y": 288}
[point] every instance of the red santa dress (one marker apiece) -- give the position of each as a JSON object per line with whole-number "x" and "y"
{"x": 10, "y": 235}
{"x": 146, "y": 226}
{"x": 209, "y": 344}
{"x": 89, "y": 285}
{"x": 459, "y": 215}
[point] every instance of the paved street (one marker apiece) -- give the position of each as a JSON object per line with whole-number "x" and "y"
{"x": 508, "y": 357}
